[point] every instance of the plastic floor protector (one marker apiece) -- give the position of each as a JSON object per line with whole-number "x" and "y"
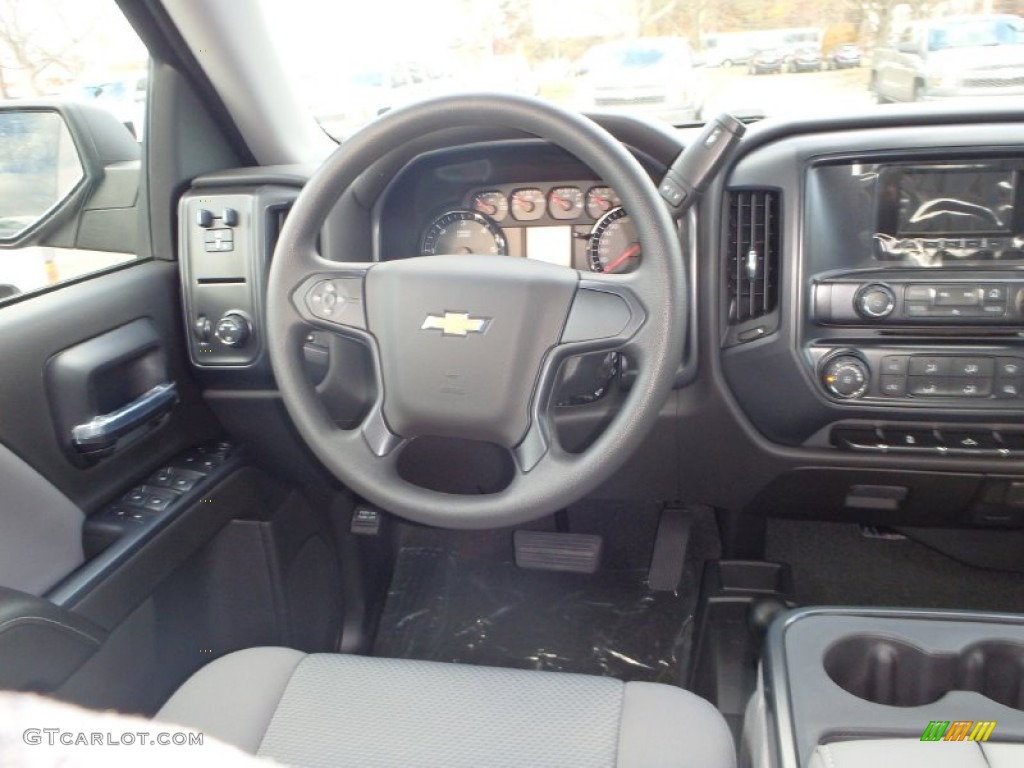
{"x": 447, "y": 606}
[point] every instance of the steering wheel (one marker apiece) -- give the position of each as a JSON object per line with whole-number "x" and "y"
{"x": 470, "y": 346}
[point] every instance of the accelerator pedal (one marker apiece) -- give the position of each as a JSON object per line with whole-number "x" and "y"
{"x": 572, "y": 552}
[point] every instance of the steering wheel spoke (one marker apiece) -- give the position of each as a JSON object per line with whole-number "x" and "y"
{"x": 606, "y": 315}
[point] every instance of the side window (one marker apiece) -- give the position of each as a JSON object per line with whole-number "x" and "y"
{"x": 73, "y": 79}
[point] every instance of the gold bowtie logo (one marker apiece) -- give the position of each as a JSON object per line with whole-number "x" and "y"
{"x": 455, "y": 324}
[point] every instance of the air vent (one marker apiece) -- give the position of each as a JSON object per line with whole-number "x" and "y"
{"x": 752, "y": 254}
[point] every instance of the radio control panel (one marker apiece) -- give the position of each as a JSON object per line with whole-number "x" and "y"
{"x": 918, "y": 302}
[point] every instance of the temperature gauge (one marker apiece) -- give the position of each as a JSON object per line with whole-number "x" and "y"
{"x": 528, "y": 204}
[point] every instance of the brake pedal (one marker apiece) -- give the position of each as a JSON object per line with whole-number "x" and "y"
{"x": 571, "y": 552}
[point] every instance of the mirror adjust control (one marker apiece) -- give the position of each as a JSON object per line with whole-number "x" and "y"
{"x": 233, "y": 330}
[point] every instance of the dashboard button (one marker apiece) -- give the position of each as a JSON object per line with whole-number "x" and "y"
{"x": 1007, "y": 389}
{"x": 897, "y": 437}
{"x": 930, "y": 366}
{"x": 964, "y": 387}
{"x": 957, "y": 296}
{"x": 993, "y": 293}
{"x": 918, "y": 309}
{"x": 928, "y": 386}
{"x": 1010, "y": 367}
{"x": 993, "y": 310}
{"x": 920, "y": 293}
{"x": 969, "y": 440}
{"x": 894, "y": 364}
{"x": 892, "y": 385}
{"x": 972, "y": 366}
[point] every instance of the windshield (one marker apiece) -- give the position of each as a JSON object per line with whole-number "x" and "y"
{"x": 670, "y": 60}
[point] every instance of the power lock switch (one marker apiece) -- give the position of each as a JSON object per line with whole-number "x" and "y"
{"x": 697, "y": 165}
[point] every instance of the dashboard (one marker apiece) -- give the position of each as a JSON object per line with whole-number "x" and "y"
{"x": 856, "y": 301}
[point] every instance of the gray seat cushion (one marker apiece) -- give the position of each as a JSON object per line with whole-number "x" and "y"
{"x": 335, "y": 710}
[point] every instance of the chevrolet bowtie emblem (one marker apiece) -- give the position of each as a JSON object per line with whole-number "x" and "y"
{"x": 455, "y": 324}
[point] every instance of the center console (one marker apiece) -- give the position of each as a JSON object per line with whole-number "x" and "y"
{"x": 835, "y": 675}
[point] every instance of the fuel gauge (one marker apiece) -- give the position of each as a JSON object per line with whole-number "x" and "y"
{"x": 492, "y": 203}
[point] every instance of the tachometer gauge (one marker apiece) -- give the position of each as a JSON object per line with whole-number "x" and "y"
{"x": 565, "y": 202}
{"x": 463, "y": 232}
{"x": 528, "y": 204}
{"x": 600, "y": 200}
{"x": 613, "y": 245}
{"x": 492, "y": 204}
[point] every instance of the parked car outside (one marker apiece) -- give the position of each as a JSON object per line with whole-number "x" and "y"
{"x": 805, "y": 60}
{"x": 767, "y": 62}
{"x": 655, "y": 76}
{"x": 953, "y": 57}
{"x": 845, "y": 56}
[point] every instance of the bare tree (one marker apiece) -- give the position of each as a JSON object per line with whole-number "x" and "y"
{"x": 27, "y": 49}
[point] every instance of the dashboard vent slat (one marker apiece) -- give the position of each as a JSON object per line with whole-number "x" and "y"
{"x": 752, "y": 253}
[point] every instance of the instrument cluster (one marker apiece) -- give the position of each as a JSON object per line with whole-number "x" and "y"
{"x": 574, "y": 224}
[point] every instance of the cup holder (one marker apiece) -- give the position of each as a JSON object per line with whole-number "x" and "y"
{"x": 891, "y": 672}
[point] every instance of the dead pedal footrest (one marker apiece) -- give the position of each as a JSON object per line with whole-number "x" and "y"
{"x": 573, "y": 552}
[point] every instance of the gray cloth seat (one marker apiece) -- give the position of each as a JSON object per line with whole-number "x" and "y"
{"x": 336, "y": 710}
{"x": 914, "y": 753}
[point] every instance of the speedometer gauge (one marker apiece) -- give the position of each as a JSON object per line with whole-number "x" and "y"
{"x": 463, "y": 232}
{"x": 613, "y": 245}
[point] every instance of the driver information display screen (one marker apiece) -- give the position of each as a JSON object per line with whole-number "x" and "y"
{"x": 550, "y": 244}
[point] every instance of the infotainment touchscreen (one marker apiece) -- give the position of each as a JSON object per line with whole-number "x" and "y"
{"x": 932, "y": 213}
{"x": 952, "y": 201}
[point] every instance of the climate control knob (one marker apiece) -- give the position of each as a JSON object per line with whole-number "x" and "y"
{"x": 874, "y": 301}
{"x": 846, "y": 377}
{"x": 233, "y": 330}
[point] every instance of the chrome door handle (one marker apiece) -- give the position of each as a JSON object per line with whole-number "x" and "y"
{"x": 103, "y": 432}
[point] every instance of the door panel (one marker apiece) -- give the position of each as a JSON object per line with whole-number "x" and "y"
{"x": 36, "y": 330}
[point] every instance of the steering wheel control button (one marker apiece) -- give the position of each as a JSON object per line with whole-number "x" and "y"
{"x": 875, "y": 301}
{"x": 846, "y": 377}
{"x": 338, "y": 301}
{"x": 233, "y": 330}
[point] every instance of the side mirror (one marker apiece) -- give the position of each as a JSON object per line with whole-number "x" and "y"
{"x": 39, "y": 169}
{"x": 69, "y": 177}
